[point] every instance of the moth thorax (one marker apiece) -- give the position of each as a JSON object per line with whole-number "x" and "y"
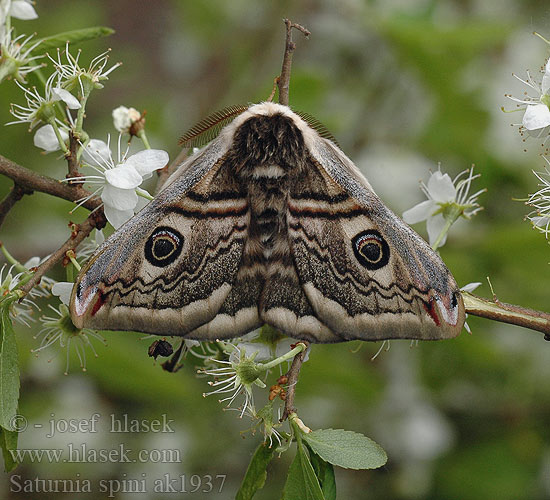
{"x": 267, "y": 146}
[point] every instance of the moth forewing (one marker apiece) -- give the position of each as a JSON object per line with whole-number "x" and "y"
{"x": 269, "y": 223}
{"x": 123, "y": 287}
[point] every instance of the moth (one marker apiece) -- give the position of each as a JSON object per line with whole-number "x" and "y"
{"x": 270, "y": 223}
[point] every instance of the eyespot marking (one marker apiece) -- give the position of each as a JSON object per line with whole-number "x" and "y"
{"x": 371, "y": 249}
{"x": 163, "y": 246}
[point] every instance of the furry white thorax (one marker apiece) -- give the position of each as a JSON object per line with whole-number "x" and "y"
{"x": 269, "y": 109}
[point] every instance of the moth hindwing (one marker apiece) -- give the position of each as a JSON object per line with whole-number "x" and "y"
{"x": 269, "y": 223}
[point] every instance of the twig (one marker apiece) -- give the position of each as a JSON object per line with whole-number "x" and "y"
{"x": 507, "y": 313}
{"x": 72, "y": 160}
{"x": 16, "y": 193}
{"x": 292, "y": 375}
{"x": 284, "y": 78}
{"x": 33, "y": 181}
{"x": 79, "y": 233}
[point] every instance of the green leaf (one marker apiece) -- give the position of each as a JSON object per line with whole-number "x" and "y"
{"x": 9, "y": 370}
{"x": 256, "y": 473}
{"x": 346, "y": 449}
{"x": 301, "y": 482}
{"x": 8, "y": 441}
{"x": 73, "y": 37}
{"x": 325, "y": 473}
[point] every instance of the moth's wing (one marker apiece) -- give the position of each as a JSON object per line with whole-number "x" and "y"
{"x": 366, "y": 274}
{"x": 173, "y": 268}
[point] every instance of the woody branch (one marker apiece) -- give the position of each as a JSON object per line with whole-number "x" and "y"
{"x": 16, "y": 193}
{"x": 507, "y": 313}
{"x": 33, "y": 181}
{"x": 78, "y": 234}
{"x": 283, "y": 82}
{"x": 26, "y": 182}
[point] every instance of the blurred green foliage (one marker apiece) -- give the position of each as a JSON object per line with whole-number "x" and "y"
{"x": 462, "y": 419}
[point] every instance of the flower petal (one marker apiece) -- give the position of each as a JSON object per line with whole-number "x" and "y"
{"x": 435, "y": 225}
{"x": 540, "y": 221}
{"x": 191, "y": 343}
{"x": 97, "y": 153}
{"x": 419, "y": 212}
{"x": 539, "y": 132}
{"x": 124, "y": 118}
{"x": 441, "y": 187}
{"x": 22, "y": 10}
{"x": 262, "y": 351}
{"x": 63, "y": 290}
{"x": 64, "y": 95}
{"x": 4, "y": 9}
{"x": 284, "y": 345}
{"x": 536, "y": 116}
{"x": 117, "y": 217}
{"x": 470, "y": 287}
{"x": 120, "y": 199}
{"x": 546, "y": 79}
{"x": 46, "y": 139}
{"x": 147, "y": 161}
{"x": 142, "y": 203}
{"x": 124, "y": 177}
{"x": 121, "y": 120}
{"x": 99, "y": 237}
{"x": 32, "y": 262}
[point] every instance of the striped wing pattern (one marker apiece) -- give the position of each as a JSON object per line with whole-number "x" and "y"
{"x": 269, "y": 223}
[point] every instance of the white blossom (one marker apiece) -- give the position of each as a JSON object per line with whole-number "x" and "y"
{"x": 470, "y": 287}
{"x": 59, "y": 94}
{"x": 44, "y": 288}
{"x": 117, "y": 181}
{"x": 91, "y": 245}
{"x": 40, "y": 109}
{"x": 124, "y": 118}
{"x": 265, "y": 418}
{"x": 45, "y": 138}
{"x": 447, "y": 200}
{"x": 72, "y": 74}
{"x": 60, "y": 329}
{"x": 19, "y": 311}
{"x": 540, "y": 201}
{"x": 5, "y": 6}
{"x": 236, "y": 377}
{"x": 63, "y": 290}
{"x": 22, "y": 9}
{"x": 16, "y": 59}
{"x": 255, "y": 344}
{"x": 536, "y": 117}
{"x": 22, "y": 310}
{"x": 241, "y": 370}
